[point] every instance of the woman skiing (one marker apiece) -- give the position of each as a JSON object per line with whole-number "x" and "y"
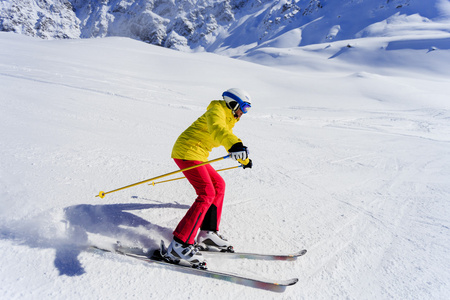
{"x": 212, "y": 129}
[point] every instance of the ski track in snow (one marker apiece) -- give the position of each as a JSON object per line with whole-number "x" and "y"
{"x": 358, "y": 179}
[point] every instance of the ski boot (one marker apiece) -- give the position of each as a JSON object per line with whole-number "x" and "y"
{"x": 183, "y": 254}
{"x": 212, "y": 241}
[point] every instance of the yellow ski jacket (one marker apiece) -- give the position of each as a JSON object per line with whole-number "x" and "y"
{"x": 212, "y": 129}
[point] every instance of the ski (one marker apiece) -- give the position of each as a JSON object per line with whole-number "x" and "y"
{"x": 156, "y": 258}
{"x": 252, "y": 255}
{"x": 212, "y": 251}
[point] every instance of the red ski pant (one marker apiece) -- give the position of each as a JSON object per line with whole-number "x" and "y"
{"x": 206, "y": 211}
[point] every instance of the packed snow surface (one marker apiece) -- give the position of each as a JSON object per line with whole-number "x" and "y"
{"x": 351, "y": 160}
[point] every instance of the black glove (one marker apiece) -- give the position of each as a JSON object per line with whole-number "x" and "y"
{"x": 249, "y": 165}
{"x": 238, "y": 151}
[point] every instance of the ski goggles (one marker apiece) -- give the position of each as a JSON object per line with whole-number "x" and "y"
{"x": 245, "y": 106}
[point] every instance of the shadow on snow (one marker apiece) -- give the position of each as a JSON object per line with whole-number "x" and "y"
{"x": 113, "y": 221}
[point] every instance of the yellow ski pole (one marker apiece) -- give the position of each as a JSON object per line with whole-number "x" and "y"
{"x": 102, "y": 194}
{"x": 154, "y": 183}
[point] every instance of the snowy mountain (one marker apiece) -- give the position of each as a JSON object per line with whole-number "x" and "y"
{"x": 218, "y": 25}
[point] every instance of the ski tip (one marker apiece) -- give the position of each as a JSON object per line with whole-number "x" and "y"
{"x": 285, "y": 283}
{"x": 297, "y": 254}
{"x": 294, "y": 256}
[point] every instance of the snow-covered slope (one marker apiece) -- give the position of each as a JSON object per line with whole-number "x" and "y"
{"x": 351, "y": 157}
{"x": 222, "y": 25}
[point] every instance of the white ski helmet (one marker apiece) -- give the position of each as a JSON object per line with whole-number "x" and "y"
{"x": 237, "y": 98}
